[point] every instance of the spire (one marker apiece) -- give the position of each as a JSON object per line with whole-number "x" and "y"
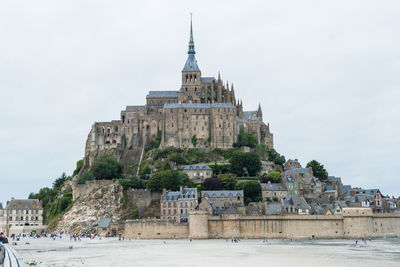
{"x": 191, "y": 62}
{"x": 259, "y": 111}
{"x": 191, "y": 42}
{"x": 227, "y": 86}
{"x": 219, "y": 76}
{"x": 232, "y": 89}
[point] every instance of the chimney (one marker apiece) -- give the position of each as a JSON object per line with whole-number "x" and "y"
{"x": 164, "y": 191}
{"x": 181, "y": 189}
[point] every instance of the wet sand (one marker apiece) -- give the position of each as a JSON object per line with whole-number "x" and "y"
{"x": 251, "y": 253}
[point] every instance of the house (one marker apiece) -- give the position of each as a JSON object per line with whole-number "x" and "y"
{"x": 271, "y": 191}
{"x": 292, "y": 178}
{"x": 176, "y": 205}
{"x": 296, "y": 205}
{"x": 220, "y": 200}
{"x": 310, "y": 187}
{"x": 198, "y": 173}
{"x": 291, "y": 164}
{"x": 371, "y": 197}
{"x": 336, "y": 183}
{"x": 104, "y": 228}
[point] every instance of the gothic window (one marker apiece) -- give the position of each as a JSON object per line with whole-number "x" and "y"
{"x": 172, "y": 125}
{"x": 185, "y": 110}
{"x": 186, "y": 80}
{"x": 186, "y": 89}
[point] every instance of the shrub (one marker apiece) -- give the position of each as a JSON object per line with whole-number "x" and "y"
{"x": 170, "y": 180}
{"x": 251, "y": 190}
{"x": 86, "y": 176}
{"x": 133, "y": 182}
{"x": 107, "y": 167}
{"x": 241, "y": 160}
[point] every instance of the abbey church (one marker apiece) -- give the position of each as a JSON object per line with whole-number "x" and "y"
{"x": 203, "y": 108}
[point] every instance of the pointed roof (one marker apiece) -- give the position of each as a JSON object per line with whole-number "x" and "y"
{"x": 191, "y": 62}
{"x": 259, "y": 111}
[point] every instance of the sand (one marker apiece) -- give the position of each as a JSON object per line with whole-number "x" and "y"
{"x": 111, "y": 252}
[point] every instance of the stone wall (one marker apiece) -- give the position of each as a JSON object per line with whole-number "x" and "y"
{"x": 353, "y": 223}
{"x": 154, "y": 228}
{"x": 83, "y": 189}
{"x": 142, "y": 197}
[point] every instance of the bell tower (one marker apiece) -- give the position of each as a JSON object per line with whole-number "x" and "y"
{"x": 191, "y": 75}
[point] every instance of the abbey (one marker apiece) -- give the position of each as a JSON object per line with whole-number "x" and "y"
{"x": 204, "y": 109}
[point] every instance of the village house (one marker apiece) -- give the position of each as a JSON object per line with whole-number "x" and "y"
{"x": 335, "y": 183}
{"x": 291, "y": 164}
{"x": 221, "y": 200}
{"x": 198, "y": 173}
{"x": 273, "y": 191}
{"x": 292, "y": 179}
{"x": 176, "y": 205}
{"x": 369, "y": 198}
{"x": 296, "y": 205}
{"x": 310, "y": 187}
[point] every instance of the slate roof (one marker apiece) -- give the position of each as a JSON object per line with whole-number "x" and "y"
{"x": 225, "y": 193}
{"x": 24, "y": 204}
{"x": 334, "y": 179}
{"x": 297, "y": 202}
{"x": 289, "y": 174}
{"x": 188, "y": 193}
{"x": 274, "y": 208}
{"x": 250, "y": 115}
{"x": 329, "y": 187}
{"x": 207, "y": 79}
{"x": 231, "y": 210}
{"x": 104, "y": 223}
{"x": 191, "y": 64}
{"x": 345, "y": 189}
{"x": 366, "y": 192}
{"x": 198, "y": 105}
{"x": 162, "y": 94}
{"x": 196, "y": 167}
{"x": 134, "y": 108}
{"x": 273, "y": 187}
{"x": 309, "y": 180}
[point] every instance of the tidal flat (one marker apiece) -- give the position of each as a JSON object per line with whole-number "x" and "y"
{"x": 214, "y": 252}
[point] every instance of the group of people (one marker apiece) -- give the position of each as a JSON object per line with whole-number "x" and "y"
{"x": 364, "y": 240}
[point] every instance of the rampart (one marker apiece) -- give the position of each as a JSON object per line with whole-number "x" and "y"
{"x": 83, "y": 189}
{"x": 353, "y": 223}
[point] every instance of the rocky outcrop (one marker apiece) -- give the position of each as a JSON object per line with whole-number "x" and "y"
{"x": 103, "y": 201}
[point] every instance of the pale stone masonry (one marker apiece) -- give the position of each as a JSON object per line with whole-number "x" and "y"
{"x": 176, "y": 205}
{"x": 204, "y": 109}
{"x": 198, "y": 173}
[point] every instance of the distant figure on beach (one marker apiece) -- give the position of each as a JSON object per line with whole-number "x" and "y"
{"x": 356, "y": 242}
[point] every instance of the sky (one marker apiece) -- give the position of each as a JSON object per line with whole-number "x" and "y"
{"x": 326, "y": 73}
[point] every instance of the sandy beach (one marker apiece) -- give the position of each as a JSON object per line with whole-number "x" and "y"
{"x": 112, "y": 252}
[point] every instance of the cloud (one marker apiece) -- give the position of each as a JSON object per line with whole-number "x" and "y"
{"x": 326, "y": 74}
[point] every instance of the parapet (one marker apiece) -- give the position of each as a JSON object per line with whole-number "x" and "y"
{"x": 357, "y": 212}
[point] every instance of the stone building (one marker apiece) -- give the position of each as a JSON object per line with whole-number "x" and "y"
{"x": 310, "y": 187}
{"x": 23, "y": 214}
{"x": 203, "y": 108}
{"x": 198, "y": 173}
{"x": 271, "y": 191}
{"x": 296, "y": 205}
{"x": 2, "y": 219}
{"x": 176, "y": 205}
{"x": 293, "y": 178}
{"x": 220, "y": 200}
{"x": 292, "y": 164}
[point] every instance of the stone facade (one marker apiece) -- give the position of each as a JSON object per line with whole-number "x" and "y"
{"x": 198, "y": 173}
{"x": 203, "y": 108}
{"x": 22, "y": 214}
{"x": 271, "y": 191}
{"x": 175, "y": 206}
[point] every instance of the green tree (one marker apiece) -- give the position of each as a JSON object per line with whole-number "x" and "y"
{"x": 276, "y": 157}
{"x": 228, "y": 181}
{"x": 170, "y": 180}
{"x": 274, "y": 176}
{"x": 133, "y": 182}
{"x": 318, "y": 170}
{"x": 59, "y": 182}
{"x": 79, "y": 165}
{"x": 178, "y": 159}
{"x": 194, "y": 140}
{"x": 241, "y": 160}
{"x": 212, "y": 184}
{"x": 246, "y": 139}
{"x": 251, "y": 190}
{"x": 107, "y": 167}
{"x": 86, "y": 176}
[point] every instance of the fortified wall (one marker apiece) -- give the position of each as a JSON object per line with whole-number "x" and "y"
{"x": 353, "y": 223}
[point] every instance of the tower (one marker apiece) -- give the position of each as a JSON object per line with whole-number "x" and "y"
{"x": 191, "y": 74}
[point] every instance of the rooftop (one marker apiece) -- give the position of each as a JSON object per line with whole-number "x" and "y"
{"x": 199, "y": 105}
{"x": 24, "y": 204}
{"x": 196, "y": 167}
{"x": 162, "y": 94}
{"x": 224, "y": 193}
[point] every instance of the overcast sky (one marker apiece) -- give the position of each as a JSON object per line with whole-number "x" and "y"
{"x": 327, "y": 74}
